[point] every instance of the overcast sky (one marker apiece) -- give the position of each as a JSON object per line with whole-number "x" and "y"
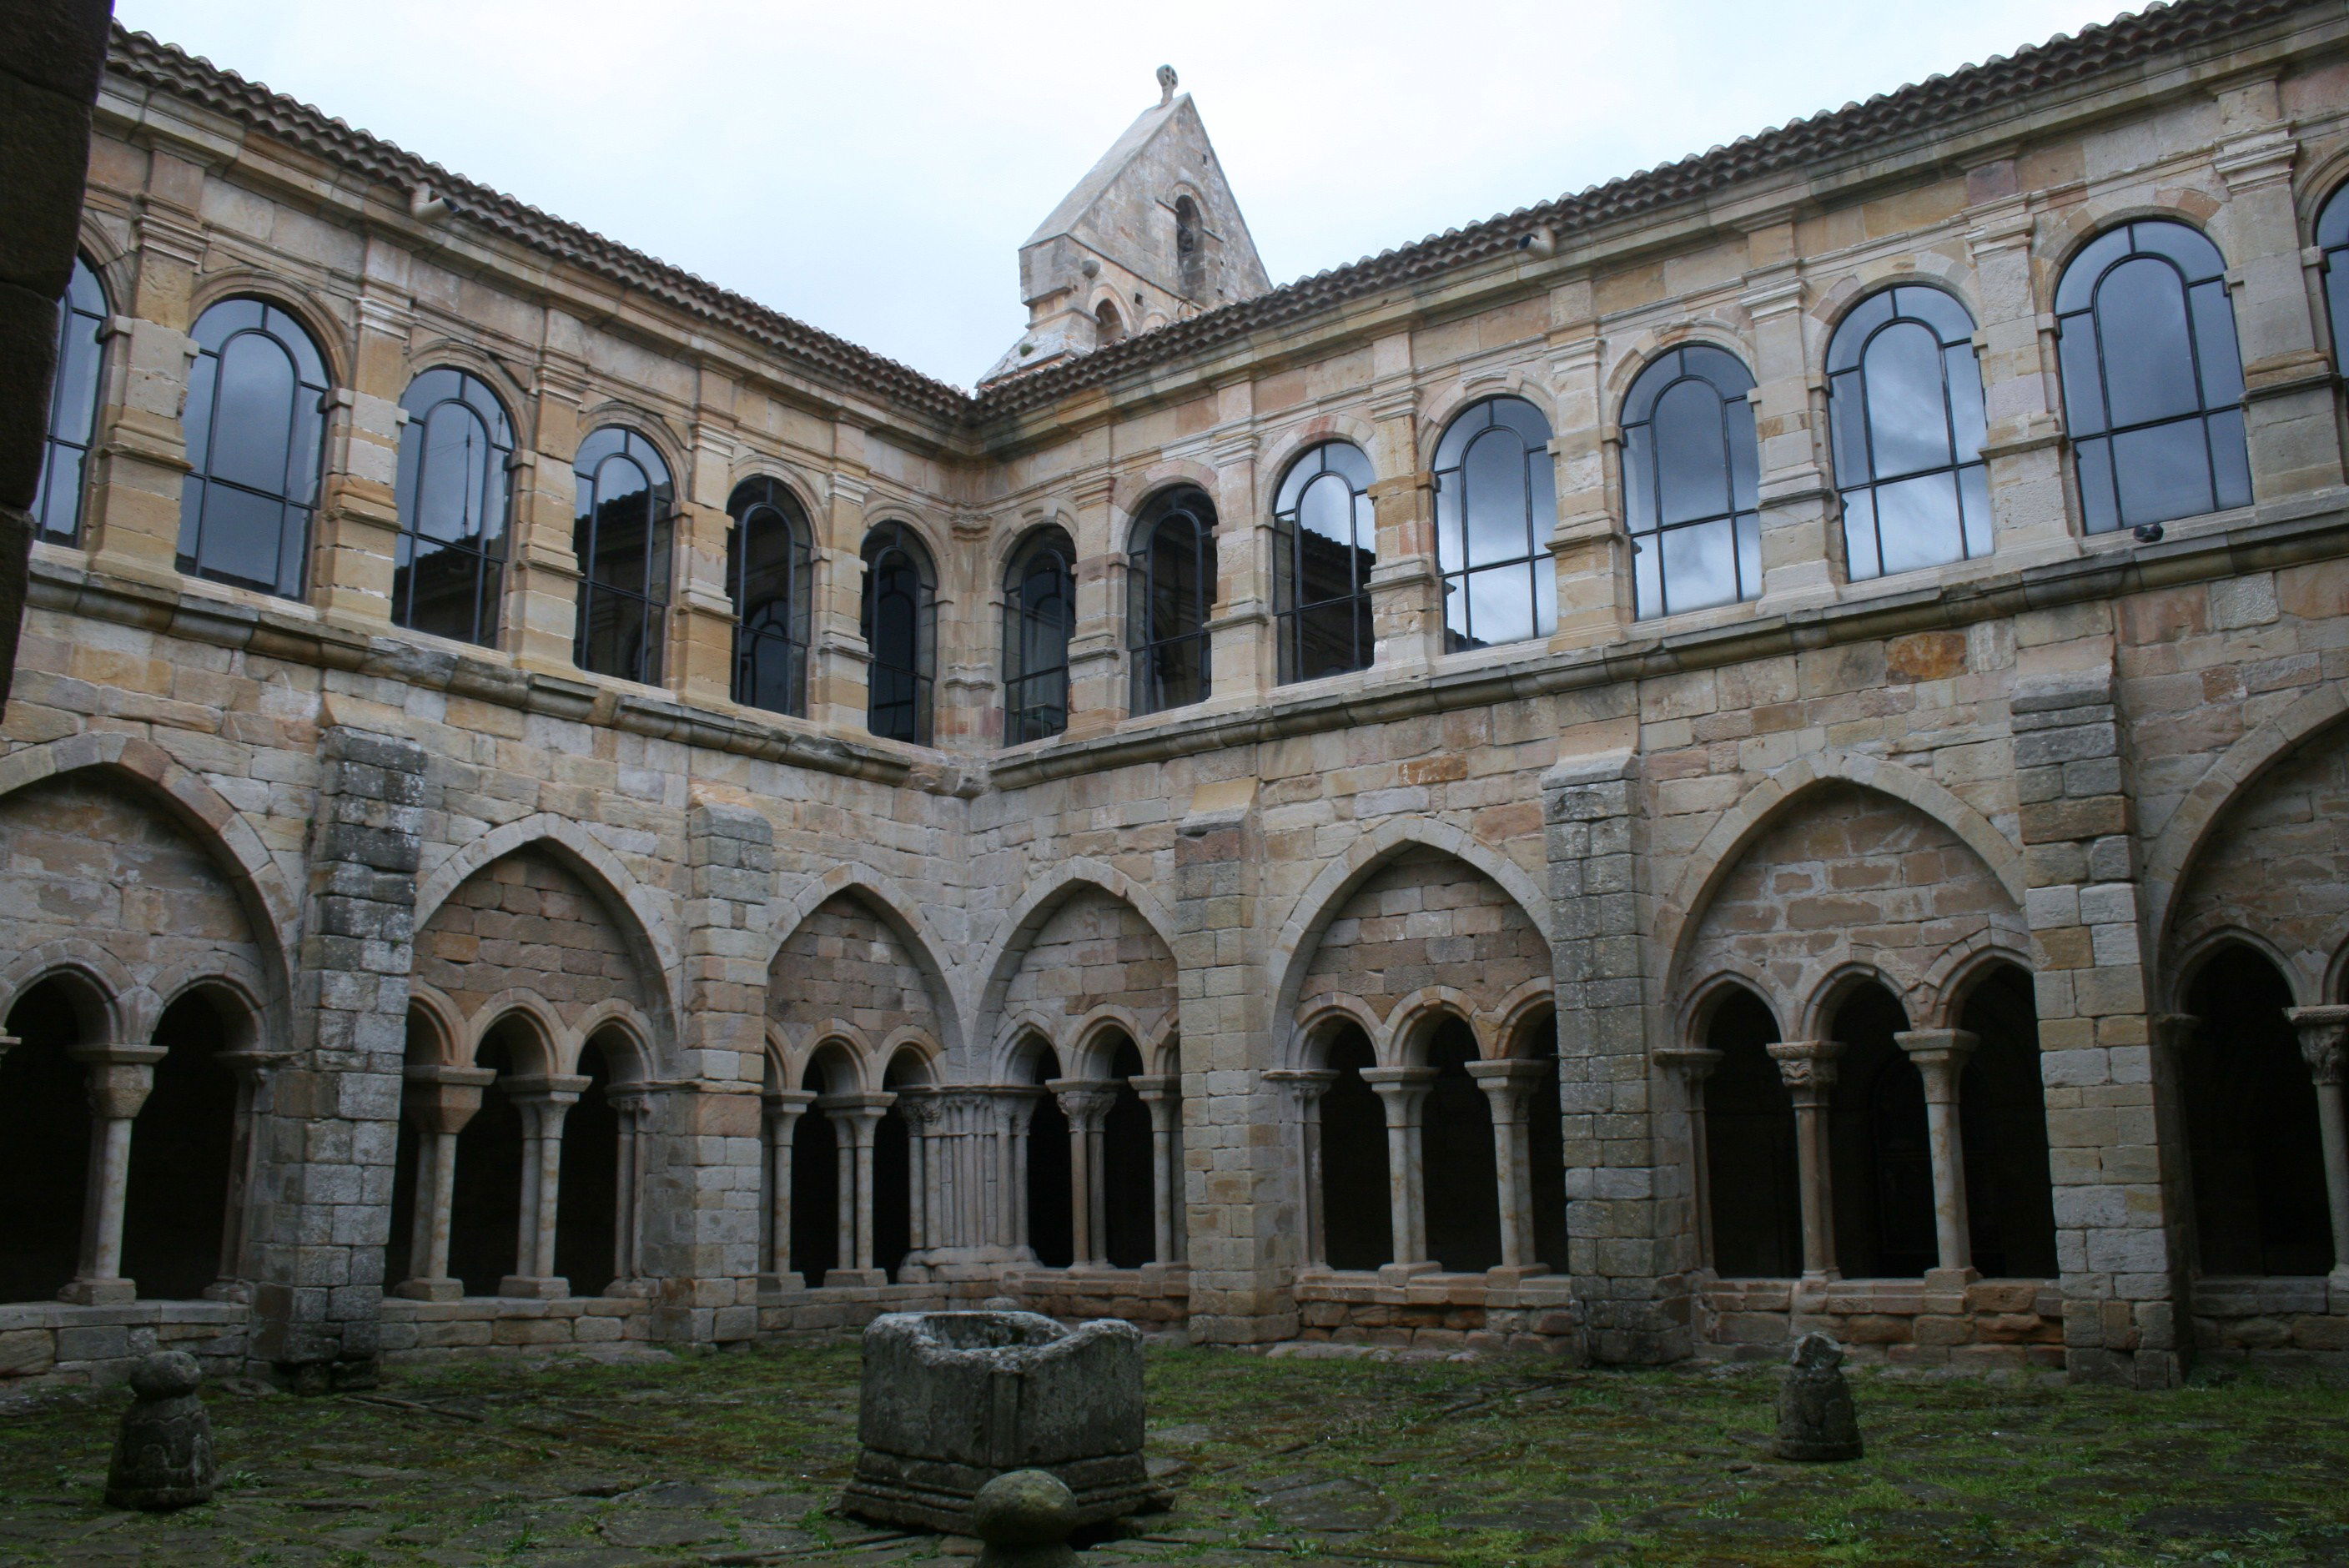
{"x": 872, "y": 168}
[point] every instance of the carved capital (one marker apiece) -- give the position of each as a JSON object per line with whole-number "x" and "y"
{"x": 2324, "y": 1041}
{"x": 1808, "y": 1063}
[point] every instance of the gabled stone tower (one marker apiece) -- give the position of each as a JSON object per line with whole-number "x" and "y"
{"x": 1150, "y": 236}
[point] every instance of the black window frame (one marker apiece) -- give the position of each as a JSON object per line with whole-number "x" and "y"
{"x": 902, "y": 707}
{"x": 763, "y": 635}
{"x": 606, "y": 445}
{"x": 1036, "y": 694}
{"x": 1643, "y": 460}
{"x": 1855, "y": 437}
{"x": 1293, "y": 617}
{"x": 481, "y": 552}
{"x": 2097, "y": 463}
{"x": 61, "y": 490}
{"x": 1455, "y": 511}
{"x": 2332, "y": 245}
{"x": 1154, "y": 649}
{"x": 199, "y": 552}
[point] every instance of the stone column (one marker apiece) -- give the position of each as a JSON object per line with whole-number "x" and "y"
{"x": 1402, "y": 1092}
{"x": 839, "y": 661}
{"x": 1507, "y": 1085}
{"x": 1692, "y": 1065}
{"x": 857, "y": 1116}
{"x": 1240, "y": 622}
{"x": 544, "y": 1100}
{"x": 1588, "y": 543}
{"x": 544, "y": 598}
{"x": 2288, "y": 396}
{"x": 1940, "y": 1058}
{"x": 2022, "y": 448}
{"x": 2324, "y": 1047}
{"x": 1797, "y": 557}
{"x": 120, "y": 1078}
{"x": 627, "y": 1102}
{"x": 919, "y": 1108}
{"x": 438, "y": 1101}
{"x": 1163, "y": 1093}
{"x": 358, "y": 515}
{"x": 1086, "y": 1103}
{"x": 251, "y": 1067}
{"x": 1306, "y": 1086}
{"x": 783, "y": 1106}
{"x": 1012, "y": 1177}
{"x": 1808, "y": 1067}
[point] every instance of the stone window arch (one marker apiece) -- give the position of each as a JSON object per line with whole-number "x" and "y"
{"x": 900, "y": 627}
{"x": 2153, "y": 379}
{"x": 770, "y": 577}
{"x": 1325, "y": 535}
{"x": 621, "y": 531}
{"x": 1109, "y": 327}
{"x": 456, "y": 457}
{"x": 1040, "y": 612}
{"x": 1905, "y": 423}
{"x": 256, "y": 435}
{"x": 1496, "y": 508}
{"x": 1691, "y": 476}
{"x": 1190, "y": 249}
{"x": 73, "y": 397}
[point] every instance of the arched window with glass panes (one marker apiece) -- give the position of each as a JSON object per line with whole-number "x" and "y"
{"x": 1040, "y": 611}
{"x": 2333, "y": 243}
{"x": 1324, "y": 542}
{"x": 1170, "y": 580}
{"x": 2153, "y": 379}
{"x": 900, "y": 626}
{"x": 256, "y": 431}
{"x": 1692, "y": 475}
{"x": 621, "y": 529}
{"x": 73, "y": 407}
{"x": 456, "y": 456}
{"x": 771, "y": 576}
{"x": 1904, "y": 414}
{"x": 1495, "y": 508}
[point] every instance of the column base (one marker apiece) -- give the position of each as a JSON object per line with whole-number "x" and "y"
{"x": 101, "y": 1292}
{"x": 430, "y": 1289}
{"x": 1397, "y": 1273}
{"x": 854, "y": 1279}
{"x": 534, "y": 1287}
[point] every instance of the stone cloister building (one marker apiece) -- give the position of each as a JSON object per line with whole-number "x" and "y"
{"x": 1761, "y": 746}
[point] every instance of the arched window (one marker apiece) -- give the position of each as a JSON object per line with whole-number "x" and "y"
{"x": 72, "y": 407}
{"x": 256, "y": 428}
{"x": 454, "y": 454}
{"x": 900, "y": 625}
{"x": 1751, "y": 1171}
{"x": 2333, "y": 239}
{"x": 1495, "y": 506}
{"x": 1190, "y": 248}
{"x": 1690, "y": 472}
{"x": 1905, "y": 412}
{"x": 1039, "y": 609}
{"x": 621, "y": 533}
{"x": 1325, "y": 542}
{"x": 2153, "y": 381}
{"x": 770, "y": 573}
{"x": 1107, "y": 326}
{"x": 1171, "y": 586}
{"x": 2254, "y": 1133}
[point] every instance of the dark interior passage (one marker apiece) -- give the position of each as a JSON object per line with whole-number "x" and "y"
{"x": 1462, "y": 1188}
{"x": 44, "y": 1146}
{"x": 2002, "y": 1109}
{"x": 1878, "y": 1147}
{"x": 485, "y": 1199}
{"x": 1130, "y": 1201}
{"x": 176, "y": 1204}
{"x": 815, "y": 1196}
{"x": 1750, "y": 1159}
{"x": 2251, "y": 1131}
{"x": 588, "y": 1201}
{"x": 893, "y": 1174}
{"x": 1051, "y": 1233}
{"x": 1546, "y": 1145}
{"x": 1357, "y": 1228}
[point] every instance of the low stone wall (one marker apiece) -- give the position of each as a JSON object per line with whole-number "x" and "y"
{"x": 2281, "y": 1319}
{"x": 1153, "y": 1296}
{"x": 1451, "y": 1312}
{"x": 487, "y": 1325}
{"x": 1985, "y": 1324}
{"x": 52, "y": 1342}
{"x": 833, "y": 1309}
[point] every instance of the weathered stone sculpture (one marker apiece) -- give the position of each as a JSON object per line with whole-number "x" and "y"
{"x": 1815, "y": 1418}
{"x": 950, "y": 1400}
{"x": 1025, "y": 1518}
{"x": 163, "y": 1454}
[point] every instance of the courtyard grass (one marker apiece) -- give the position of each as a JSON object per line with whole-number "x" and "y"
{"x": 733, "y": 1457}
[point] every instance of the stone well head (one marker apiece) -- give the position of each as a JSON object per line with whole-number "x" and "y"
{"x": 952, "y": 1399}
